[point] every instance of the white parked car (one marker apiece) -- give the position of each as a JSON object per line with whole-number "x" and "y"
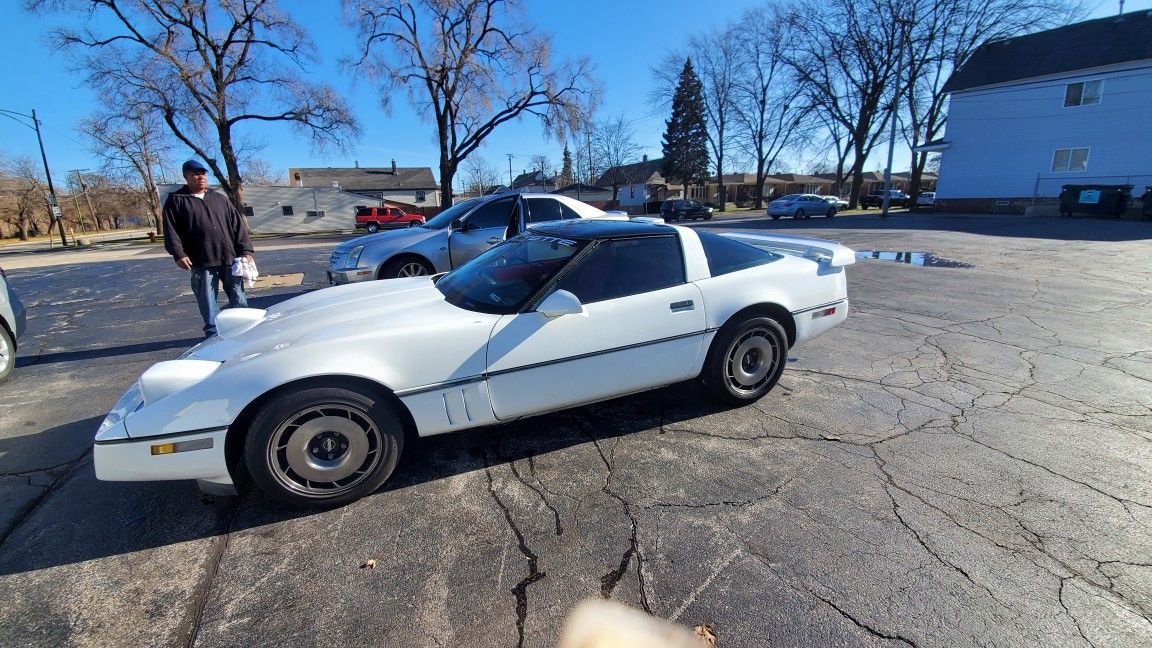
{"x": 12, "y": 323}
{"x": 800, "y": 206}
{"x": 313, "y": 398}
{"x": 454, "y": 236}
{"x": 926, "y": 199}
{"x": 839, "y": 203}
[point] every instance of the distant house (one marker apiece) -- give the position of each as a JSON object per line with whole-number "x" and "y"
{"x": 533, "y": 182}
{"x": 407, "y": 186}
{"x": 1065, "y": 106}
{"x": 586, "y": 193}
{"x": 295, "y": 210}
{"x": 638, "y": 183}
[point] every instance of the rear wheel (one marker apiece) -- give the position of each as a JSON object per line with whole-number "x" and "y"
{"x": 324, "y": 446}
{"x": 7, "y": 354}
{"x": 775, "y": 216}
{"x": 405, "y": 267}
{"x": 415, "y": 223}
{"x": 745, "y": 360}
{"x": 373, "y": 228}
{"x": 799, "y": 214}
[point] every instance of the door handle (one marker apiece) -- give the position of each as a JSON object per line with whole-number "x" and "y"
{"x": 679, "y": 306}
{"x": 494, "y": 240}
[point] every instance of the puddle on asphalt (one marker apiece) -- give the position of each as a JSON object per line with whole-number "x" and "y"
{"x": 913, "y": 258}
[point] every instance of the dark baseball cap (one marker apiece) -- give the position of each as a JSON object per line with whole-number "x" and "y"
{"x": 193, "y": 165}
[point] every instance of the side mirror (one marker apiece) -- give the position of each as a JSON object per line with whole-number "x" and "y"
{"x": 457, "y": 225}
{"x": 560, "y": 303}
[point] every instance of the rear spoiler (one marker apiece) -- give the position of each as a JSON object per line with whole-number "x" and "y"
{"x": 810, "y": 248}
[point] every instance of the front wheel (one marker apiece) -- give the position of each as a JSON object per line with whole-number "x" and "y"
{"x": 831, "y": 212}
{"x": 415, "y": 223}
{"x": 775, "y": 216}
{"x": 324, "y": 446}
{"x": 7, "y": 354}
{"x": 373, "y": 228}
{"x": 799, "y": 214}
{"x": 405, "y": 267}
{"x": 745, "y": 360}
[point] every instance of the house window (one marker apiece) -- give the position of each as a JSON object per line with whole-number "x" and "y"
{"x": 420, "y": 196}
{"x": 1083, "y": 93}
{"x": 286, "y": 210}
{"x": 248, "y": 210}
{"x": 1070, "y": 160}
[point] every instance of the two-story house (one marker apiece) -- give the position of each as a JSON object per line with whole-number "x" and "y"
{"x": 1029, "y": 114}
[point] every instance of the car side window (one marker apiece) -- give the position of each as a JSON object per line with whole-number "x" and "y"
{"x": 541, "y": 210}
{"x": 619, "y": 268}
{"x": 494, "y": 214}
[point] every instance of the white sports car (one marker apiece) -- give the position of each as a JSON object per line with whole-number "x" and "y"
{"x": 313, "y": 398}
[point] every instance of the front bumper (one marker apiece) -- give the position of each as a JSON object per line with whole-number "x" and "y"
{"x": 198, "y": 455}
{"x": 337, "y": 277}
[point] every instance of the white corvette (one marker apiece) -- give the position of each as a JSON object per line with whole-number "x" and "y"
{"x": 312, "y": 398}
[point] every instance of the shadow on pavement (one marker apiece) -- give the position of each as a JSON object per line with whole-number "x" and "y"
{"x": 84, "y": 519}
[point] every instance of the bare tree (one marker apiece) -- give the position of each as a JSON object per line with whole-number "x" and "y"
{"x": 844, "y": 61}
{"x": 614, "y": 145}
{"x": 475, "y": 67}
{"x": 137, "y": 140}
{"x": 542, "y": 166}
{"x": 767, "y": 105}
{"x": 259, "y": 172}
{"x": 205, "y": 68}
{"x": 25, "y": 196}
{"x": 481, "y": 175}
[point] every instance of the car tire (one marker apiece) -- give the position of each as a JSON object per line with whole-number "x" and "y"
{"x": 775, "y": 216}
{"x": 708, "y": 217}
{"x": 831, "y": 212}
{"x": 373, "y": 228}
{"x": 324, "y": 446}
{"x": 407, "y": 266}
{"x": 415, "y": 223}
{"x": 745, "y": 360}
{"x": 799, "y": 215}
{"x": 7, "y": 354}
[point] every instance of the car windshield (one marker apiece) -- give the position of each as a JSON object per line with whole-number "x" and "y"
{"x": 503, "y": 279}
{"x": 445, "y": 218}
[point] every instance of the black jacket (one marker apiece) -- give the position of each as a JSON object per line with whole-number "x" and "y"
{"x": 209, "y": 231}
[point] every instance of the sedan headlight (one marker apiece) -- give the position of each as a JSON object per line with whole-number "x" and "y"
{"x": 168, "y": 377}
{"x": 354, "y": 257}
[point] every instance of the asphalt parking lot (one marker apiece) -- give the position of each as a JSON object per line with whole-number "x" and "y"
{"x": 966, "y": 461}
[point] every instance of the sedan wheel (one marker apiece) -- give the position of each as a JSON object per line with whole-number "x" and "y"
{"x": 323, "y": 446}
{"x": 775, "y": 216}
{"x": 831, "y": 212}
{"x": 799, "y": 214}
{"x": 7, "y": 354}
{"x": 405, "y": 267}
{"x": 746, "y": 360}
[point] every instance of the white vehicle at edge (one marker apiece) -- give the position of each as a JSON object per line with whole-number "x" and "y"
{"x": 451, "y": 238}
{"x": 313, "y": 398}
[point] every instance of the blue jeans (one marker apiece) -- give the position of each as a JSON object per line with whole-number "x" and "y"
{"x": 206, "y": 284}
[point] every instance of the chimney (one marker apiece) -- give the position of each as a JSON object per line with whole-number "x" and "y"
{"x": 357, "y": 164}
{"x": 645, "y": 158}
{"x": 393, "y": 167}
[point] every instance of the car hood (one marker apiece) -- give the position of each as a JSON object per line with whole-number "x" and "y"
{"x": 393, "y": 308}
{"x": 401, "y": 237}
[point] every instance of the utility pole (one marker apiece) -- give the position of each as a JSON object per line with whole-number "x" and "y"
{"x": 901, "y": 23}
{"x": 510, "y": 156}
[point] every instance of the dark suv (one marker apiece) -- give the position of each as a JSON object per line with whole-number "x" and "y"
{"x": 680, "y": 209}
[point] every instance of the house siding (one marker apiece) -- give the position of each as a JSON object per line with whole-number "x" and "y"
{"x": 1003, "y": 138}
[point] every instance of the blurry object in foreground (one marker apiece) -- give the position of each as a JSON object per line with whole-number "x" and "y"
{"x": 600, "y": 623}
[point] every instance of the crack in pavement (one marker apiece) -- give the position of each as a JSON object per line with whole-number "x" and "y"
{"x": 66, "y": 469}
{"x": 204, "y": 589}
{"x": 520, "y": 591}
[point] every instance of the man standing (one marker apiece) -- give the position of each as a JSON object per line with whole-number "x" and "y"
{"x": 204, "y": 233}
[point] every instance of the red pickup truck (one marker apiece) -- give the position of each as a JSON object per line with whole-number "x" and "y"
{"x": 375, "y": 219}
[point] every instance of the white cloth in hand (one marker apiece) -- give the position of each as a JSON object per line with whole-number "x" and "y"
{"x": 246, "y": 268}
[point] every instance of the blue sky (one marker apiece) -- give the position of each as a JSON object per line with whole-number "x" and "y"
{"x": 623, "y": 38}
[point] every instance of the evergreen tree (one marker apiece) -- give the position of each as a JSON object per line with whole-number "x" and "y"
{"x": 686, "y": 136}
{"x": 566, "y": 170}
